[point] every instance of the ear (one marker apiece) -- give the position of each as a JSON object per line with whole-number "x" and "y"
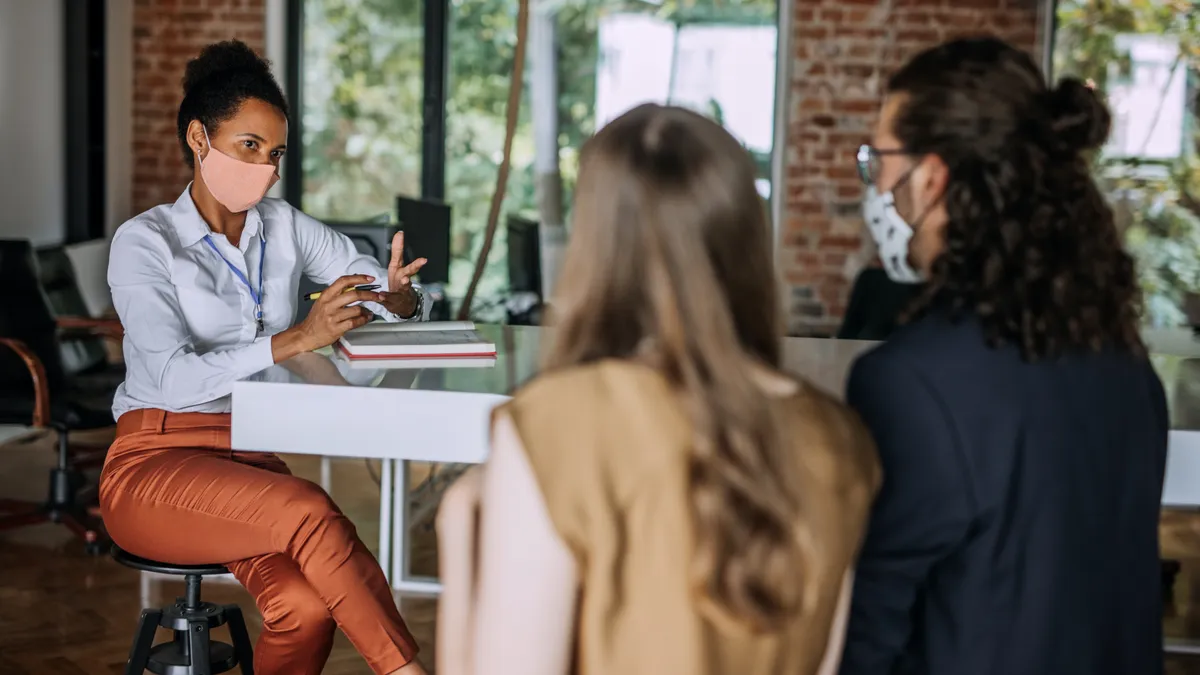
{"x": 195, "y": 139}
{"x": 929, "y": 181}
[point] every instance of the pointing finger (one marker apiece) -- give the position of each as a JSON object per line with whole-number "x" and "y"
{"x": 397, "y": 251}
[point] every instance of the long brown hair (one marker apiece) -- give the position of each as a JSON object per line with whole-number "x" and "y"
{"x": 670, "y": 262}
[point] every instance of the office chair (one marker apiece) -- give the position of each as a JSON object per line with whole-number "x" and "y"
{"x": 35, "y": 391}
{"x": 83, "y": 341}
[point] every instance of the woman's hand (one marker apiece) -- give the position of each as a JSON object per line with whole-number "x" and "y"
{"x": 401, "y": 298}
{"x": 330, "y": 318}
{"x": 331, "y": 315}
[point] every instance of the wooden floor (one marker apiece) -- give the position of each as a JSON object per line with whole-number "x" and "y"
{"x": 65, "y": 613}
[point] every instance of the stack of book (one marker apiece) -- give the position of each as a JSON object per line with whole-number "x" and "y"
{"x": 456, "y": 341}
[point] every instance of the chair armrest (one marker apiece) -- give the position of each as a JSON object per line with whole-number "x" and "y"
{"x": 109, "y": 328}
{"x": 41, "y": 388}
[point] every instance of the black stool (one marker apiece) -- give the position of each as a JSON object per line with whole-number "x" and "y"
{"x": 192, "y": 652}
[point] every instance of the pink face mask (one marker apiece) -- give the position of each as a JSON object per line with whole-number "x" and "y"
{"x": 236, "y": 184}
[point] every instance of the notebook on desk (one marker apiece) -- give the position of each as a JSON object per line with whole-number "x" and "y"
{"x": 417, "y": 362}
{"x": 381, "y": 326}
{"x": 417, "y": 340}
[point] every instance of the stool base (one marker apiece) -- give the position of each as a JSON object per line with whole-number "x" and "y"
{"x": 192, "y": 651}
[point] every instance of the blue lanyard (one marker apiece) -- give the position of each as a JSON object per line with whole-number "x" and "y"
{"x": 257, "y": 297}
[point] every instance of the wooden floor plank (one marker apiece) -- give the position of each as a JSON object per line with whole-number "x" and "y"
{"x": 65, "y": 613}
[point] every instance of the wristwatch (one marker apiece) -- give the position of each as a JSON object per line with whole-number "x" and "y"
{"x": 419, "y": 310}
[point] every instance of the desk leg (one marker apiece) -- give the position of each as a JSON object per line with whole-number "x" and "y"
{"x": 327, "y": 475}
{"x": 387, "y": 495}
{"x": 400, "y": 525}
{"x": 402, "y": 581}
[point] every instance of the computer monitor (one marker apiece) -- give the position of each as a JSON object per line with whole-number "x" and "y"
{"x": 370, "y": 238}
{"x": 426, "y": 225}
{"x": 524, "y": 256}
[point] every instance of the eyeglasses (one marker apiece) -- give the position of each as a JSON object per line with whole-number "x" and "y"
{"x": 870, "y": 161}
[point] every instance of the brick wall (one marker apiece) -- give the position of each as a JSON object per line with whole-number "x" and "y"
{"x": 166, "y": 35}
{"x": 844, "y": 51}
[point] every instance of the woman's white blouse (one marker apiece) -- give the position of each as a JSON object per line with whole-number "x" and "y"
{"x": 190, "y": 328}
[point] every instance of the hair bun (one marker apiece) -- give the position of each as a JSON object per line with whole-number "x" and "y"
{"x": 223, "y": 59}
{"x": 1081, "y": 121}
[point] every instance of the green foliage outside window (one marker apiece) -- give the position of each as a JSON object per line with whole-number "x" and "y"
{"x": 362, "y": 108}
{"x": 1157, "y": 202}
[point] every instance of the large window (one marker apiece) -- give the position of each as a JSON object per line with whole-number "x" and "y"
{"x": 362, "y": 101}
{"x": 1145, "y": 55}
{"x": 360, "y": 107}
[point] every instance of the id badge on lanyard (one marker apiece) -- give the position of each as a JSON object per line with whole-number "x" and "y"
{"x": 257, "y": 297}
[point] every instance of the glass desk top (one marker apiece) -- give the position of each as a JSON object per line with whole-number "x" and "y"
{"x": 824, "y": 362}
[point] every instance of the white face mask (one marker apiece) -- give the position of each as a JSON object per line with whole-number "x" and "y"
{"x": 891, "y": 234}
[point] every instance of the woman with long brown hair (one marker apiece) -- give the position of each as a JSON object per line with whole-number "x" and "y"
{"x": 662, "y": 499}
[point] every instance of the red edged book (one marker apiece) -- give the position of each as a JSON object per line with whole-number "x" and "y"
{"x": 418, "y": 340}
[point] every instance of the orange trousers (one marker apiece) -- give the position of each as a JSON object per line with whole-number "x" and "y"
{"x": 172, "y": 490}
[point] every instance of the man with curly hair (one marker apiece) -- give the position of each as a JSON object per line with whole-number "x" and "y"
{"x": 1021, "y": 428}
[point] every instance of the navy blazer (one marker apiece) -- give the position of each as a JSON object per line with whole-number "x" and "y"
{"x": 876, "y": 302}
{"x": 1016, "y": 532}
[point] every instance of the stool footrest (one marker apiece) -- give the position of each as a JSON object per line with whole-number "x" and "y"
{"x": 171, "y": 658}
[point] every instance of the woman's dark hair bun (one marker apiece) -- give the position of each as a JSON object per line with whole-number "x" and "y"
{"x": 217, "y": 82}
{"x": 223, "y": 59}
{"x": 1080, "y": 120}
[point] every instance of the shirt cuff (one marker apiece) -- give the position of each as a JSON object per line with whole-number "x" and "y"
{"x": 258, "y": 355}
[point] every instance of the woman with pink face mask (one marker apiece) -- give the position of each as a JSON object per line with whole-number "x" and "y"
{"x": 207, "y": 290}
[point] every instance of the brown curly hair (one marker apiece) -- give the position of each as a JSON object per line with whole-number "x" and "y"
{"x": 1031, "y": 246}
